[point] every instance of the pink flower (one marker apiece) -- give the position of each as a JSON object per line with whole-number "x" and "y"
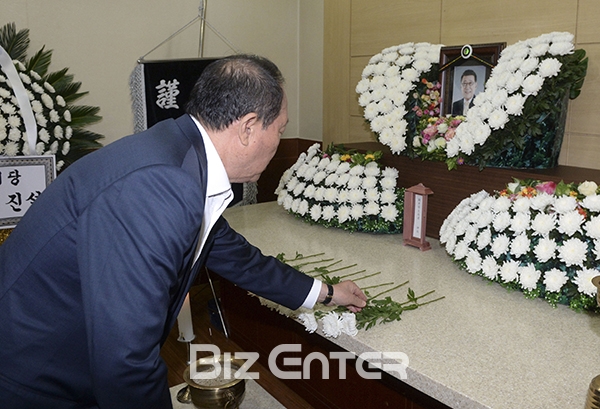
{"x": 546, "y": 187}
{"x": 449, "y": 134}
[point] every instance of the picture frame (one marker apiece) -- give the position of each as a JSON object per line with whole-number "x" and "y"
{"x": 22, "y": 180}
{"x": 475, "y": 63}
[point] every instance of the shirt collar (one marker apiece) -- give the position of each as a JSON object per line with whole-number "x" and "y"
{"x": 218, "y": 182}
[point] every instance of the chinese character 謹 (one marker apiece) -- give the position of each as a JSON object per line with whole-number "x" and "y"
{"x": 167, "y": 94}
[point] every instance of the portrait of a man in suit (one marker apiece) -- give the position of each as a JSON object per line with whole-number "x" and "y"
{"x": 468, "y": 88}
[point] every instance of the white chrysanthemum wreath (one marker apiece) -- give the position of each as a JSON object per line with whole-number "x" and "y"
{"x": 59, "y": 123}
{"x": 528, "y": 84}
{"x": 541, "y": 238}
{"x": 343, "y": 189}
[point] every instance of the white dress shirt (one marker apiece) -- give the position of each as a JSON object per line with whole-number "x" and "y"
{"x": 218, "y": 197}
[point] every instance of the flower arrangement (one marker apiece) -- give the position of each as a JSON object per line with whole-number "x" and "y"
{"x": 334, "y": 321}
{"x": 343, "y": 189}
{"x": 541, "y": 238}
{"x": 518, "y": 110}
{"x": 396, "y": 92}
{"x": 60, "y": 124}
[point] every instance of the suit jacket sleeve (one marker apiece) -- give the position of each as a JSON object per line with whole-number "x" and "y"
{"x": 132, "y": 241}
{"x": 232, "y": 257}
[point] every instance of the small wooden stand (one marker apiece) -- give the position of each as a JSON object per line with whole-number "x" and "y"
{"x": 415, "y": 216}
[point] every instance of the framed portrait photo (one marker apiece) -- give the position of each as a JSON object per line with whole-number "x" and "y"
{"x": 464, "y": 71}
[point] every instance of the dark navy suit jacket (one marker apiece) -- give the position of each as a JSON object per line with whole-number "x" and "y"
{"x": 94, "y": 275}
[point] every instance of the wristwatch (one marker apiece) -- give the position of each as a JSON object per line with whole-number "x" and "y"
{"x": 329, "y": 296}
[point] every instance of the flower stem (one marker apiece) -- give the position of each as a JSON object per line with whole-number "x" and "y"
{"x": 390, "y": 289}
{"x": 375, "y": 286}
{"x": 367, "y": 276}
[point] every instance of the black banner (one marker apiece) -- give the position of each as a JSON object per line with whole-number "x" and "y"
{"x": 168, "y": 85}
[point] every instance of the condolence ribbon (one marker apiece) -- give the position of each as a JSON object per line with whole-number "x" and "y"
{"x": 14, "y": 80}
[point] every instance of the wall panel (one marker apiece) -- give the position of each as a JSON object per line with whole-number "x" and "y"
{"x": 379, "y": 24}
{"x": 475, "y": 21}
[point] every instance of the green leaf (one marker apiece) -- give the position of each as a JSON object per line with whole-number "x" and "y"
{"x": 14, "y": 43}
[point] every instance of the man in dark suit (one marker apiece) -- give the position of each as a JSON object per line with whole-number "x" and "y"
{"x": 468, "y": 86}
{"x": 93, "y": 276}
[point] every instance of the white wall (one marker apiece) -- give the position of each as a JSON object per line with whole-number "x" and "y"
{"x": 101, "y": 41}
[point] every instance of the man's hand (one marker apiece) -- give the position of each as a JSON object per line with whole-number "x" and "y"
{"x": 346, "y": 294}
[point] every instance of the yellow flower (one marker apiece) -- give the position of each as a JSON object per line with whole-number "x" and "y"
{"x": 369, "y": 156}
{"x": 345, "y": 157}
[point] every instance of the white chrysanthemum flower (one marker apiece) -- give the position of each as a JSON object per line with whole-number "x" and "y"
{"x": 514, "y": 104}
{"x": 484, "y": 239}
{"x": 561, "y": 48}
{"x": 319, "y": 177}
{"x": 390, "y": 173}
{"x": 490, "y": 268}
{"x": 328, "y": 213}
{"x": 509, "y": 271}
{"x": 532, "y": 84}
{"x": 583, "y": 280}
{"x": 296, "y": 204}
{"x": 66, "y": 147}
{"x": 14, "y": 134}
{"x": 520, "y": 245}
{"x": 292, "y": 183}
{"x": 330, "y": 195}
{"x": 372, "y": 208}
{"x": 299, "y": 188}
{"x": 565, "y": 204}
{"x": 343, "y": 214}
{"x": 591, "y": 203}
{"x": 541, "y": 201}
{"x": 309, "y": 191}
{"x": 369, "y": 182}
{"x": 343, "y": 167}
{"x": 47, "y": 101}
{"x": 332, "y": 326}
{"x": 389, "y": 213}
{"x": 315, "y": 212}
{"x": 357, "y": 212}
{"x": 501, "y": 204}
{"x": 343, "y": 196}
{"x": 349, "y": 324}
{"x": 573, "y": 252}
{"x": 569, "y": 223}
{"x": 303, "y": 207}
{"x": 287, "y": 202}
{"x": 554, "y": 280}
{"x": 372, "y": 195}
{"x": 592, "y": 227}
{"x": 356, "y": 196}
{"x": 500, "y": 245}
{"x": 522, "y": 204}
{"x": 354, "y": 182}
{"x": 470, "y": 234}
{"x": 545, "y": 249}
{"x": 388, "y": 196}
{"x": 520, "y": 222}
{"x": 331, "y": 179}
{"x": 309, "y": 321}
{"x": 473, "y": 261}
{"x": 543, "y": 223}
{"x": 460, "y": 250}
{"x": 528, "y": 277}
{"x": 388, "y": 183}
{"x": 550, "y": 67}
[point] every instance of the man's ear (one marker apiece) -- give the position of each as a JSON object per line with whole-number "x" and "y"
{"x": 247, "y": 125}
